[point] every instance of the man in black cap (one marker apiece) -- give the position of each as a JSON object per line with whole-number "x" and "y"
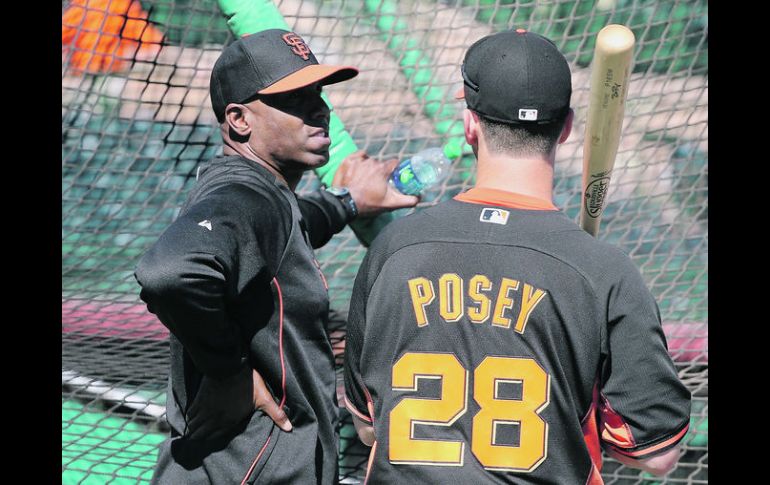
{"x": 252, "y": 385}
{"x": 490, "y": 339}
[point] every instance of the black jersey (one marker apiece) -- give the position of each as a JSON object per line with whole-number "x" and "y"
{"x": 235, "y": 280}
{"x": 493, "y": 344}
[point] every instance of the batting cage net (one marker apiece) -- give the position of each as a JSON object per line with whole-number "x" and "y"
{"x": 137, "y": 121}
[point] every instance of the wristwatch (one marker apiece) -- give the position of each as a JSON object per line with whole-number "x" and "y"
{"x": 343, "y": 194}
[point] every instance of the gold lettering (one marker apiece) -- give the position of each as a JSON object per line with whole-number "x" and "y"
{"x": 476, "y": 285}
{"x": 421, "y": 290}
{"x": 450, "y": 294}
{"x": 529, "y": 301}
{"x": 504, "y": 302}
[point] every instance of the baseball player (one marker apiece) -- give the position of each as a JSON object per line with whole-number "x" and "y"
{"x": 490, "y": 339}
{"x": 252, "y": 385}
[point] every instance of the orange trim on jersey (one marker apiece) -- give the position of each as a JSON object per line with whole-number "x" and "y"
{"x": 323, "y": 278}
{"x": 371, "y": 461}
{"x": 591, "y": 437}
{"x": 353, "y": 409}
{"x": 369, "y": 403}
{"x": 664, "y": 444}
{"x": 254, "y": 463}
{"x": 595, "y": 477}
{"x": 370, "y": 407}
{"x": 615, "y": 430}
{"x": 502, "y": 198}
{"x": 280, "y": 343}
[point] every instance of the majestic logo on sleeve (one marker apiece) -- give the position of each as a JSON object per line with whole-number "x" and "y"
{"x": 297, "y": 45}
{"x": 205, "y": 223}
{"x": 495, "y": 216}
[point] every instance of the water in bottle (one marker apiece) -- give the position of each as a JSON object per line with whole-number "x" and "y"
{"x": 425, "y": 169}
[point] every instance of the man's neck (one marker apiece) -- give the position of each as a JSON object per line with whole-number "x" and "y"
{"x": 291, "y": 179}
{"x": 528, "y": 176}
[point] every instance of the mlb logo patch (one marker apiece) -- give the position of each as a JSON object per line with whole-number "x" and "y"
{"x": 528, "y": 114}
{"x": 495, "y": 216}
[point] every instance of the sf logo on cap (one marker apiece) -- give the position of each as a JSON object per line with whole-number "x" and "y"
{"x": 298, "y": 45}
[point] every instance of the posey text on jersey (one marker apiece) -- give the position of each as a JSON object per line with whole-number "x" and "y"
{"x": 480, "y": 291}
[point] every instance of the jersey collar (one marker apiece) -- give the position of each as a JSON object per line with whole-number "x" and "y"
{"x": 503, "y": 198}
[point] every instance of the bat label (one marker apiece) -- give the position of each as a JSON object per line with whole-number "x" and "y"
{"x": 615, "y": 90}
{"x": 595, "y": 194}
{"x": 609, "y": 75}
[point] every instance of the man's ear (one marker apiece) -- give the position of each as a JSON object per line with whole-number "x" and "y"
{"x": 565, "y": 132}
{"x": 235, "y": 117}
{"x": 472, "y": 127}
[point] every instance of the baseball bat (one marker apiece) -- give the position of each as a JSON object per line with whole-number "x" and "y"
{"x": 613, "y": 56}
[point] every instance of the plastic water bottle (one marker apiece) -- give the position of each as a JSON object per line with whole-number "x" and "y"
{"x": 425, "y": 169}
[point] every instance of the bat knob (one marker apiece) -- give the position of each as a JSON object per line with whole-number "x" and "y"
{"x": 616, "y": 38}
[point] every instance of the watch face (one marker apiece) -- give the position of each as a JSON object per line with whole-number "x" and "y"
{"x": 338, "y": 191}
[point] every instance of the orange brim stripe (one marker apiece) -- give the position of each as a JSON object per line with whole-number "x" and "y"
{"x": 309, "y": 75}
{"x": 665, "y": 444}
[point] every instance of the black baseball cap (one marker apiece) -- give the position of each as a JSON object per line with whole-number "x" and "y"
{"x": 516, "y": 76}
{"x": 268, "y": 62}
